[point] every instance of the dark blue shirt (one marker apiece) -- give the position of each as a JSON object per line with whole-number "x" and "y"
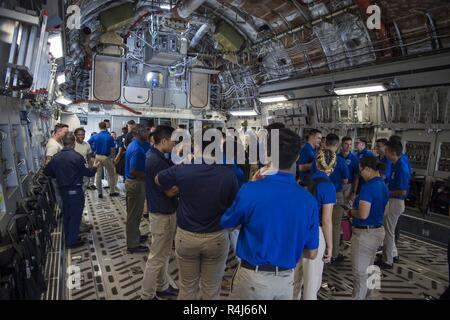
{"x": 376, "y": 193}
{"x": 340, "y": 173}
{"x": 352, "y": 162}
{"x": 102, "y": 143}
{"x": 68, "y": 167}
{"x": 307, "y": 155}
{"x": 387, "y": 172}
{"x": 278, "y": 220}
{"x": 325, "y": 191}
{"x": 206, "y": 191}
{"x": 134, "y": 158}
{"x": 157, "y": 200}
{"x": 365, "y": 153}
{"x": 400, "y": 177}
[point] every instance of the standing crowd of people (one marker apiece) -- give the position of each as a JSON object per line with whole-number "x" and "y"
{"x": 284, "y": 225}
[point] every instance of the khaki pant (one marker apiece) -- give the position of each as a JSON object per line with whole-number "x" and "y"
{"x": 106, "y": 162}
{"x": 135, "y": 198}
{"x": 162, "y": 228}
{"x": 338, "y": 212}
{"x": 365, "y": 243}
{"x": 394, "y": 209}
{"x": 262, "y": 285}
{"x": 201, "y": 261}
{"x": 308, "y": 274}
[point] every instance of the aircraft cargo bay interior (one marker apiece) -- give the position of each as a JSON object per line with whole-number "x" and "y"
{"x": 224, "y": 150}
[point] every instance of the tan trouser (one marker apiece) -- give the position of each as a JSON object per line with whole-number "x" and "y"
{"x": 308, "y": 273}
{"x": 338, "y": 212}
{"x": 162, "y": 228}
{"x": 201, "y": 261}
{"x": 347, "y": 191}
{"x": 365, "y": 243}
{"x": 135, "y": 198}
{"x": 262, "y": 285}
{"x": 394, "y": 209}
{"x": 106, "y": 162}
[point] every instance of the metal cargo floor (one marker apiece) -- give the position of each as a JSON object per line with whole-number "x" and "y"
{"x": 109, "y": 272}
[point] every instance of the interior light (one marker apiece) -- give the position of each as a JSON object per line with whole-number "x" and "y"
{"x": 369, "y": 88}
{"x": 243, "y": 113}
{"x": 61, "y": 78}
{"x": 165, "y": 6}
{"x": 271, "y": 99}
{"x": 63, "y": 100}
{"x": 56, "y": 45}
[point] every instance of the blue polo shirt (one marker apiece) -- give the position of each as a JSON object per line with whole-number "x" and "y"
{"x": 206, "y": 191}
{"x": 102, "y": 143}
{"x": 365, "y": 153}
{"x": 68, "y": 167}
{"x": 405, "y": 158}
{"x": 376, "y": 193}
{"x": 340, "y": 173}
{"x": 387, "y": 171}
{"x": 278, "y": 220}
{"x": 307, "y": 155}
{"x": 157, "y": 201}
{"x": 352, "y": 162}
{"x": 400, "y": 177}
{"x": 325, "y": 191}
{"x": 134, "y": 158}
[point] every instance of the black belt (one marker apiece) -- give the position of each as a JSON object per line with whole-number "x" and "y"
{"x": 369, "y": 227}
{"x": 264, "y": 267}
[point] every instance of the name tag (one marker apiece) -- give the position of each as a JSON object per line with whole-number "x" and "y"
{"x": 72, "y": 192}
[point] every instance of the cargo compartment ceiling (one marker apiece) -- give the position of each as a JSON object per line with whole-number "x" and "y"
{"x": 256, "y": 42}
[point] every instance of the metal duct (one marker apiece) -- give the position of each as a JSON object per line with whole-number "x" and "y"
{"x": 201, "y": 32}
{"x": 188, "y": 7}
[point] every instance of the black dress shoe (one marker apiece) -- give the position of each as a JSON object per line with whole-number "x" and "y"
{"x": 100, "y": 196}
{"x": 138, "y": 249}
{"x": 114, "y": 194}
{"x": 145, "y": 215}
{"x": 77, "y": 244}
{"x": 383, "y": 265}
{"x": 107, "y": 187}
{"x": 143, "y": 238}
{"x": 396, "y": 259}
{"x": 92, "y": 187}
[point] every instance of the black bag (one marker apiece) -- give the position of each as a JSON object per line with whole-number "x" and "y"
{"x": 120, "y": 166}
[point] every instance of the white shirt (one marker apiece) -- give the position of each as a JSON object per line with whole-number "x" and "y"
{"x": 52, "y": 147}
{"x": 83, "y": 148}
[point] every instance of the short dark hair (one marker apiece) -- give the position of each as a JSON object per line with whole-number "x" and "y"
{"x": 289, "y": 148}
{"x": 68, "y": 139}
{"x": 395, "y": 138}
{"x": 131, "y": 122}
{"x": 162, "y": 132}
{"x": 106, "y": 120}
{"x": 395, "y": 147}
{"x": 382, "y": 140}
{"x": 332, "y": 139}
{"x": 102, "y": 125}
{"x": 60, "y": 126}
{"x": 125, "y": 130}
{"x": 313, "y": 132}
{"x": 362, "y": 139}
{"x": 113, "y": 132}
{"x": 373, "y": 163}
{"x": 346, "y": 138}
{"x": 137, "y": 129}
{"x": 79, "y": 129}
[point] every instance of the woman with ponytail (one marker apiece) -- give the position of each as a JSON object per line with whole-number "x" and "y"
{"x": 309, "y": 272}
{"x": 368, "y": 231}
